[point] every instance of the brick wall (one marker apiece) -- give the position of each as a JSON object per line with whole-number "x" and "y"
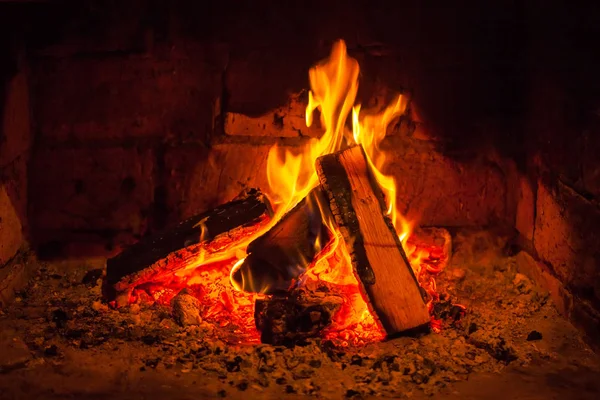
{"x": 559, "y": 203}
{"x": 140, "y": 122}
{"x": 104, "y": 124}
{"x": 15, "y": 142}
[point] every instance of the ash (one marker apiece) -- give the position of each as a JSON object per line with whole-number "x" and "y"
{"x": 60, "y": 340}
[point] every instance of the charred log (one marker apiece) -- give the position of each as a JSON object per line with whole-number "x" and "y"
{"x": 295, "y": 318}
{"x": 175, "y": 249}
{"x": 279, "y": 256}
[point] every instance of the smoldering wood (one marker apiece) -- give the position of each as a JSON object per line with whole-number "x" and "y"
{"x": 282, "y": 253}
{"x": 434, "y": 243}
{"x": 377, "y": 256}
{"x": 296, "y": 317}
{"x": 177, "y": 248}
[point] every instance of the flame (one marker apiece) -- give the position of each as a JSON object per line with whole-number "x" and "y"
{"x": 291, "y": 176}
{"x": 369, "y": 130}
{"x": 334, "y": 83}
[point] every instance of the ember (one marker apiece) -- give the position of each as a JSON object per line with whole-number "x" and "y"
{"x": 304, "y": 244}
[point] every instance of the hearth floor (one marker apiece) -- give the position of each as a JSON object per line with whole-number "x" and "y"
{"x": 58, "y": 340}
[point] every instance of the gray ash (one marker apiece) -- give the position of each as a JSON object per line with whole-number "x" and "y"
{"x": 64, "y": 325}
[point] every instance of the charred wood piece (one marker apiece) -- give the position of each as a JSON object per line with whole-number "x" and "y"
{"x": 180, "y": 247}
{"x": 293, "y": 319}
{"x": 279, "y": 256}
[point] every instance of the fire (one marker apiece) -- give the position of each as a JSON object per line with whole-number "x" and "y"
{"x": 334, "y": 85}
{"x": 291, "y": 176}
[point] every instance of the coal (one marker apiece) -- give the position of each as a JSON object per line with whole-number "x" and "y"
{"x": 59, "y": 317}
{"x": 51, "y": 351}
{"x": 91, "y": 277}
{"x": 186, "y": 309}
{"x": 534, "y": 335}
{"x": 472, "y": 328}
{"x": 290, "y": 321}
{"x": 356, "y": 360}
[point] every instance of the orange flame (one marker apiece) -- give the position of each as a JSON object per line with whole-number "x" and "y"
{"x": 291, "y": 176}
{"x": 334, "y": 84}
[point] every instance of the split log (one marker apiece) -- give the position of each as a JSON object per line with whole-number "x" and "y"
{"x": 299, "y": 316}
{"x": 164, "y": 253}
{"x": 280, "y": 255}
{"x": 378, "y": 259}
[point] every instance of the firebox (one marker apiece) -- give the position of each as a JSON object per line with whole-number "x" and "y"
{"x": 340, "y": 200}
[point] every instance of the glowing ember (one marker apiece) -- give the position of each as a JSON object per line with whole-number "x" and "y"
{"x": 291, "y": 176}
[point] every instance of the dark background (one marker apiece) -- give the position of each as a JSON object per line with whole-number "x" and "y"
{"x": 468, "y": 63}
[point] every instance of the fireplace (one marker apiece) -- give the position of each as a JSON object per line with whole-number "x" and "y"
{"x": 172, "y": 220}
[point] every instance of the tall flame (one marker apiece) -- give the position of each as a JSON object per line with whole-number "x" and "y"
{"x": 334, "y": 84}
{"x": 369, "y": 131}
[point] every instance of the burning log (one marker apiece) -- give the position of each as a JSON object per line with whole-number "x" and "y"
{"x": 281, "y": 254}
{"x": 377, "y": 257}
{"x": 301, "y": 315}
{"x": 164, "y": 253}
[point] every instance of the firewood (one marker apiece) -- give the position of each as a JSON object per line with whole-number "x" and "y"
{"x": 164, "y": 253}
{"x": 378, "y": 260}
{"x": 282, "y": 254}
{"x": 298, "y": 316}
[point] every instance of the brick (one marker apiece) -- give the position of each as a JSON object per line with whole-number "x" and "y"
{"x": 11, "y": 237}
{"x": 435, "y": 190}
{"x": 77, "y": 244}
{"x": 14, "y": 177}
{"x": 15, "y": 135}
{"x": 90, "y": 189}
{"x": 590, "y": 167}
{"x": 289, "y": 120}
{"x": 525, "y": 209}
{"x": 580, "y": 312}
{"x": 201, "y": 179}
{"x": 567, "y": 237}
{"x": 566, "y": 144}
{"x": 587, "y": 318}
{"x": 173, "y": 96}
{"x": 541, "y": 275}
{"x": 262, "y": 79}
{"x": 286, "y": 121}
{"x": 431, "y": 188}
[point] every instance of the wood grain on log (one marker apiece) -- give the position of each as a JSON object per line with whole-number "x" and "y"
{"x": 166, "y": 252}
{"x": 377, "y": 256}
